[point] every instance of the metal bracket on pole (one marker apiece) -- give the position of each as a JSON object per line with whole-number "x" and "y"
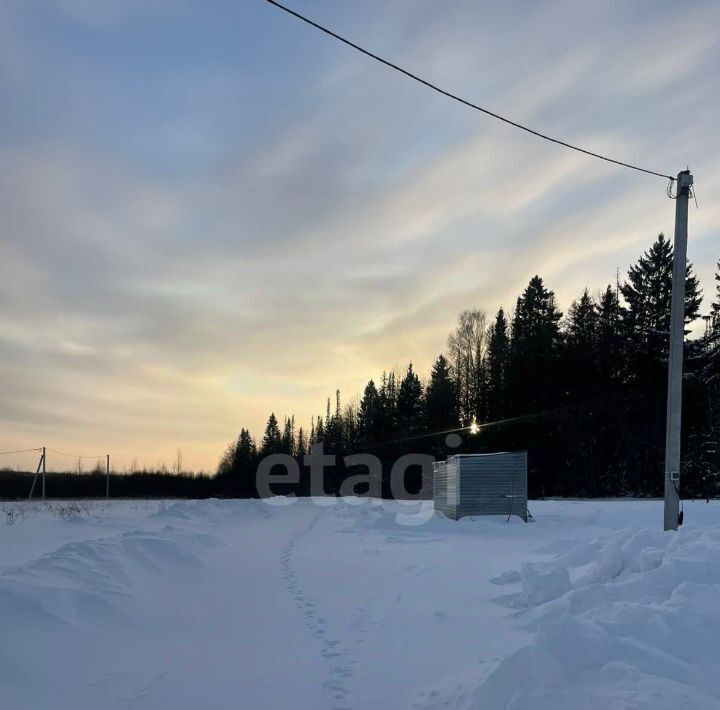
{"x": 675, "y": 360}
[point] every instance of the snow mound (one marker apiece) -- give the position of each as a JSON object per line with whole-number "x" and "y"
{"x": 626, "y": 622}
{"x": 542, "y": 582}
{"x": 86, "y": 581}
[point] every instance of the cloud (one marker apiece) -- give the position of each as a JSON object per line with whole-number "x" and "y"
{"x": 203, "y": 222}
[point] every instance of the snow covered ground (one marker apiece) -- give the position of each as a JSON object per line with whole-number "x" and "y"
{"x": 219, "y": 604}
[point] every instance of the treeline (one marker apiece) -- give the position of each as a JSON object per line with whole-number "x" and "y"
{"x": 583, "y": 392}
{"x": 16, "y": 485}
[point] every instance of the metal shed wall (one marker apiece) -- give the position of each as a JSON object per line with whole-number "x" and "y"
{"x": 445, "y": 493}
{"x": 482, "y": 484}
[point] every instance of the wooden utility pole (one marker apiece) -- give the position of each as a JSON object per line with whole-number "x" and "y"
{"x": 675, "y": 361}
{"x": 37, "y": 472}
{"x": 43, "y": 473}
{"x": 107, "y": 477}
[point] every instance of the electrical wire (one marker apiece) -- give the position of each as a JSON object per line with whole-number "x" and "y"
{"x": 75, "y": 456}
{"x": 416, "y": 437}
{"x": 20, "y": 451}
{"x": 459, "y": 99}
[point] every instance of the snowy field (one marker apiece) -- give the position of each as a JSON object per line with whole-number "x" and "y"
{"x": 239, "y": 604}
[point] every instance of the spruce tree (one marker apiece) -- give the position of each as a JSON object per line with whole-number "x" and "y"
{"x": 441, "y": 397}
{"x": 350, "y": 428}
{"x": 319, "y": 430}
{"x": 370, "y": 414}
{"x": 287, "y": 440}
{"x": 242, "y": 480}
{"x": 647, "y": 294}
{"x": 301, "y": 447}
{"x": 387, "y": 426}
{"x": 334, "y": 427}
{"x": 272, "y": 439}
{"x": 581, "y": 345}
{"x": 610, "y": 342}
{"x": 497, "y": 366}
{"x": 245, "y": 448}
{"x": 715, "y": 308}
{"x": 534, "y": 347}
{"x": 410, "y": 405}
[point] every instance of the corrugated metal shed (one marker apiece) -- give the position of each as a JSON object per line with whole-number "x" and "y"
{"x": 481, "y": 484}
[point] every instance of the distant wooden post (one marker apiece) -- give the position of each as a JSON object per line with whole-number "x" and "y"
{"x": 107, "y": 478}
{"x": 43, "y": 473}
{"x": 40, "y": 465}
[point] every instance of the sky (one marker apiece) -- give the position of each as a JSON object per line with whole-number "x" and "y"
{"x": 209, "y": 211}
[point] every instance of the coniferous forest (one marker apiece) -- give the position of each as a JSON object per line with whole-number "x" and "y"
{"x": 584, "y": 392}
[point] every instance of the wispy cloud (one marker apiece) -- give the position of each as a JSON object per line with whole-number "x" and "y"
{"x": 208, "y": 213}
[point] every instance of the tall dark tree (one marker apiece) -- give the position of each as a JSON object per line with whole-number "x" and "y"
{"x": 287, "y": 439}
{"x": 388, "y": 394}
{"x": 534, "y": 346}
{"x": 410, "y": 404}
{"x": 245, "y": 451}
{"x": 715, "y": 308}
{"x": 441, "y": 397}
{"x": 301, "y": 447}
{"x": 498, "y": 361}
{"x": 272, "y": 439}
{"x": 242, "y": 479}
{"x": 334, "y": 426}
{"x": 370, "y": 414}
{"x": 351, "y": 427}
{"x": 610, "y": 343}
{"x": 647, "y": 293}
{"x": 319, "y": 430}
{"x": 581, "y": 346}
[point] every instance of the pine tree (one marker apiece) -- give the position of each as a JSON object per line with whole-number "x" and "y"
{"x": 715, "y": 308}
{"x": 319, "y": 430}
{"x": 647, "y": 293}
{"x": 497, "y": 366}
{"x": 241, "y": 479}
{"x": 272, "y": 439}
{"x": 610, "y": 341}
{"x": 334, "y": 427}
{"x": 581, "y": 345}
{"x": 410, "y": 405}
{"x": 441, "y": 397}
{"x": 534, "y": 346}
{"x": 350, "y": 428}
{"x": 287, "y": 440}
{"x": 387, "y": 426}
{"x": 301, "y": 447}
{"x": 245, "y": 448}
{"x": 370, "y": 414}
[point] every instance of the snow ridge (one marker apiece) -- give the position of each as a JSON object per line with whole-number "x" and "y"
{"x": 628, "y": 621}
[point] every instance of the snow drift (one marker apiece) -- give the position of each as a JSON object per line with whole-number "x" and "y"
{"x": 352, "y": 604}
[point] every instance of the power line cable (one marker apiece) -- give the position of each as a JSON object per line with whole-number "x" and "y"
{"x": 20, "y": 451}
{"x": 75, "y": 456}
{"x": 459, "y": 99}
